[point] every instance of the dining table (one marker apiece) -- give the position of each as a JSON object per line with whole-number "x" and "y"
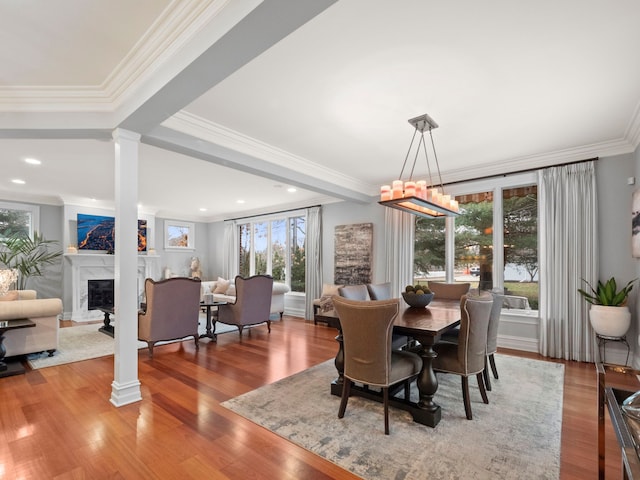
{"x": 425, "y": 325}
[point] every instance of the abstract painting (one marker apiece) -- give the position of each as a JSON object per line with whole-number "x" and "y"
{"x": 635, "y": 224}
{"x": 353, "y": 254}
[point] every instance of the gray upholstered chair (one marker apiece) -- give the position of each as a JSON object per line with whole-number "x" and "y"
{"x": 252, "y": 305}
{"x": 382, "y": 291}
{"x": 492, "y": 338}
{"x": 172, "y": 310}
{"x": 492, "y": 335}
{"x": 448, "y": 291}
{"x": 368, "y": 356}
{"x": 354, "y": 292}
{"x": 467, "y": 357}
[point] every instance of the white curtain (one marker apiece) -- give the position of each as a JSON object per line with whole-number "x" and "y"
{"x": 313, "y": 259}
{"x": 399, "y": 243}
{"x": 568, "y": 253}
{"x": 231, "y": 249}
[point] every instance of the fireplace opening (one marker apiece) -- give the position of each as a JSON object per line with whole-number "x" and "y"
{"x": 100, "y": 294}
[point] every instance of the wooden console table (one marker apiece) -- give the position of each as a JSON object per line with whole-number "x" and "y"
{"x": 11, "y": 368}
{"x": 615, "y": 383}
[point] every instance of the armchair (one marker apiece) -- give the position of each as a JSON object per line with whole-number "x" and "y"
{"x": 172, "y": 311}
{"x": 252, "y": 305}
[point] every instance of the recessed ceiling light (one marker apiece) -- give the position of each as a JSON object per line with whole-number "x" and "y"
{"x": 292, "y": 189}
{"x": 203, "y": 209}
{"x": 93, "y": 199}
{"x": 18, "y": 181}
{"x": 239, "y": 201}
{"x": 32, "y": 161}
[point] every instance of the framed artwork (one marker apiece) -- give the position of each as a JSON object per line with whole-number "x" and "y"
{"x": 179, "y": 235}
{"x": 635, "y": 224}
{"x": 353, "y": 254}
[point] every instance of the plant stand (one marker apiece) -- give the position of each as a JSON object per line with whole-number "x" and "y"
{"x": 602, "y": 346}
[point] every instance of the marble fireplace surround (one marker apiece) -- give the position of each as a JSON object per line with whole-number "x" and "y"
{"x": 79, "y": 268}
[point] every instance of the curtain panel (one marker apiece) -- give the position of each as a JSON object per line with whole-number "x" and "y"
{"x": 399, "y": 237}
{"x": 568, "y": 253}
{"x": 313, "y": 259}
{"x": 231, "y": 247}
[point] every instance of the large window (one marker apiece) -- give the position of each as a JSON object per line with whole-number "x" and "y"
{"x": 275, "y": 247}
{"x": 16, "y": 218}
{"x": 493, "y": 242}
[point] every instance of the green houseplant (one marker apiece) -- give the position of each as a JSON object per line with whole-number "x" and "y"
{"x": 609, "y": 315}
{"x": 27, "y": 255}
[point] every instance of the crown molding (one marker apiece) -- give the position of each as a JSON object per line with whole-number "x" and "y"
{"x": 531, "y": 162}
{"x": 168, "y": 34}
{"x": 632, "y": 134}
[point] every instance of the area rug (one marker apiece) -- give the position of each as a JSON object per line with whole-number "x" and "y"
{"x": 515, "y": 436}
{"x": 83, "y": 342}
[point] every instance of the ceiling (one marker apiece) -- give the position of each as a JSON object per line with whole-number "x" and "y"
{"x": 244, "y": 99}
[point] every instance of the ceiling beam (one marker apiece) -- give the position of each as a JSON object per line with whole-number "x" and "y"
{"x": 172, "y": 140}
{"x": 267, "y": 24}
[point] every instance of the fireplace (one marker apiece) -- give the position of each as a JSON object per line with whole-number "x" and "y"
{"x": 80, "y": 268}
{"x": 100, "y": 294}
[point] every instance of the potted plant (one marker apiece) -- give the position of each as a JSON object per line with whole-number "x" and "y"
{"x": 609, "y": 315}
{"x": 27, "y": 255}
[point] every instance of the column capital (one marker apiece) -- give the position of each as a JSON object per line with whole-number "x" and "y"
{"x": 122, "y": 134}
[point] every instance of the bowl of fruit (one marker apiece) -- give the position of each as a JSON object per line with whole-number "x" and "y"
{"x": 417, "y": 296}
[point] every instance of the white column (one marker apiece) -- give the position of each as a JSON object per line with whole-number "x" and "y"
{"x": 125, "y": 388}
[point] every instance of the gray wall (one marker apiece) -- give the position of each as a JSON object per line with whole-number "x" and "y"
{"x": 179, "y": 262}
{"x": 51, "y": 223}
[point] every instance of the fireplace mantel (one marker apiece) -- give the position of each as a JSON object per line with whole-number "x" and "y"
{"x": 81, "y": 267}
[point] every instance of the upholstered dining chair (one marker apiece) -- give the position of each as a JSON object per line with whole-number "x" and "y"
{"x": 449, "y": 291}
{"x": 492, "y": 338}
{"x": 382, "y": 291}
{"x": 252, "y": 305}
{"x": 354, "y": 292}
{"x": 467, "y": 357}
{"x": 171, "y": 312}
{"x": 368, "y": 356}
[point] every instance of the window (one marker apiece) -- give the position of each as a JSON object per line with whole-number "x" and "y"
{"x": 18, "y": 218}
{"x": 275, "y": 247}
{"x": 493, "y": 242}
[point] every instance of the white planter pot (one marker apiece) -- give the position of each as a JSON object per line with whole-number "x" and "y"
{"x": 610, "y": 321}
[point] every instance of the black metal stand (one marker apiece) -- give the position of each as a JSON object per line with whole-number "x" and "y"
{"x": 602, "y": 346}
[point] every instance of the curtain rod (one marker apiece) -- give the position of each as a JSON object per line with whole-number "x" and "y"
{"x": 270, "y": 213}
{"x": 526, "y": 170}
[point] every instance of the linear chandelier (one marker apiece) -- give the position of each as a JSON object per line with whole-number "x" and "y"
{"x": 419, "y": 197}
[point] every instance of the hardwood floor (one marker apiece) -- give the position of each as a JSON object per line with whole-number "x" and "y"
{"x": 58, "y": 423}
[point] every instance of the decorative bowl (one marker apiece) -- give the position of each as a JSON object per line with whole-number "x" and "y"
{"x": 417, "y": 300}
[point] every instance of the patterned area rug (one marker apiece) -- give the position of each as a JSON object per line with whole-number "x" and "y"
{"x": 83, "y": 342}
{"x": 515, "y": 436}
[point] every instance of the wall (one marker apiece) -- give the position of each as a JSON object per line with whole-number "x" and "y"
{"x": 347, "y": 213}
{"x": 50, "y": 284}
{"x": 179, "y": 262}
{"x": 614, "y": 236}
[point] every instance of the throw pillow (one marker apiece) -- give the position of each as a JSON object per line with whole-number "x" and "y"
{"x": 329, "y": 289}
{"x": 9, "y": 297}
{"x": 221, "y": 285}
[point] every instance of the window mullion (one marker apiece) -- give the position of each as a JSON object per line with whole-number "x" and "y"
{"x": 450, "y": 247}
{"x": 498, "y": 239}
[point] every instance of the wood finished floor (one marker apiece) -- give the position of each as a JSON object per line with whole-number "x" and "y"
{"x": 58, "y": 423}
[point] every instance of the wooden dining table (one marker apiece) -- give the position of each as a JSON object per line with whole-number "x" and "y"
{"x": 425, "y": 325}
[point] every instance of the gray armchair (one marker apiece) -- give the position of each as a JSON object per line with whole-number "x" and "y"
{"x": 252, "y": 305}
{"x": 172, "y": 310}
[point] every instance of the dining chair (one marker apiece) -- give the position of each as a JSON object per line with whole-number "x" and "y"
{"x": 368, "y": 356}
{"x": 492, "y": 335}
{"x": 382, "y": 291}
{"x": 449, "y": 291}
{"x": 252, "y": 305}
{"x": 492, "y": 338}
{"x": 354, "y": 292}
{"x": 467, "y": 357}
